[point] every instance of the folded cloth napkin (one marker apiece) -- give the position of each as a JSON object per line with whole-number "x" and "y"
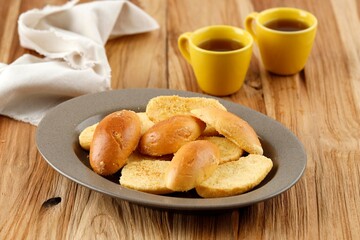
{"x": 71, "y": 38}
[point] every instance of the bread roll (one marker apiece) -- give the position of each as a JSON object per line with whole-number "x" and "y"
{"x": 236, "y": 177}
{"x": 115, "y": 138}
{"x": 232, "y": 127}
{"x": 191, "y": 165}
{"x": 146, "y": 176}
{"x": 166, "y": 137}
{"x": 163, "y": 107}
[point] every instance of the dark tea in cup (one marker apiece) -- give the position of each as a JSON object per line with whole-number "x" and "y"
{"x": 221, "y": 45}
{"x": 219, "y": 56}
{"x": 286, "y": 25}
{"x": 284, "y": 36}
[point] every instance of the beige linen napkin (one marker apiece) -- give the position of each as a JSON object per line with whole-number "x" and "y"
{"x": 71, "y": 38}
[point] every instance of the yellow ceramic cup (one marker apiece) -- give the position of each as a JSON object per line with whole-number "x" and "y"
{"x": 282, "y": 51}
{"x": 218, "y": 72}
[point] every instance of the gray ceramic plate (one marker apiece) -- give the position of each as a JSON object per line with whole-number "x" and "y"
{"x": 57, "y": 141}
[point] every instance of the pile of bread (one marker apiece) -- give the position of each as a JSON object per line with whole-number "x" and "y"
{"x": 178, "y": 144}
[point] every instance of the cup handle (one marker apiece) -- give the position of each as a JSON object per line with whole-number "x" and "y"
{"x": 183, "y": 44}
{"x": 249, "y": 24}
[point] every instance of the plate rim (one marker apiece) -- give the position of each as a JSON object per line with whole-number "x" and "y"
{"x": 46, "y": 148}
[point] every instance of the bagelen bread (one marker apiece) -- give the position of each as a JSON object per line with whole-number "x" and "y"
{"x": 229, "y": 151}
{"x": 236, "y": 177}
{"x": 232, "y": 127}
{"x": 115, "y": 138}
{"x": 146, "y": 176}
{"x": 163, "y": 107}
{"x": 167, "y": 136}
{"x": 191, "y": 165}
{"x": 86, "y": 136}
{"x": 146, "y": 123}
{"x": 136, "y": 156}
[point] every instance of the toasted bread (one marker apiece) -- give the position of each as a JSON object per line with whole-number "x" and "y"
{"x": 146, "y": 176}
{"x": 229, "y": 151}
{"x": 232, "y": 127}
{"x": 236, "y": 177}
{"x": 86, "y": 136}
{"x": 162, "y": 107}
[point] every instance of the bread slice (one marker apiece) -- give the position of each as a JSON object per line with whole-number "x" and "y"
{"x": 86, "y": 135}
{"x": 236, "y": 177}
{"x": 146, "y": 176}
{"x": 232, "y": 127}
{"x": 137, "y": 156}
{"x": 146, "y": 123}
{"x": 162, "y": 107}
{"x": 229, "y": 151}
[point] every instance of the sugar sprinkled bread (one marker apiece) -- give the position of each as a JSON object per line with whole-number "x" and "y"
{"x": 146, "y": 123}
{"x": 86, "y": 136}
{"x": 236, "y": 177}
{"x": 232, "y": 127}
{"x": 146, "y": 176}
{"x": 229, "y": 151}
{"x": 162, "y": 107}
{"x": 137, "y": 156}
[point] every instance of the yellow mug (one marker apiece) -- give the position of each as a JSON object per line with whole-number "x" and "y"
{"x": 284, "y": 36}
{"x": 219, "y": 55}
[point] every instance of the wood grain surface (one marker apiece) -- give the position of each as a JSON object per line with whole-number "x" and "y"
{"x": 321, "y": 105}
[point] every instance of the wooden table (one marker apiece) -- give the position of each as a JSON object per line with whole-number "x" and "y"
{"x": 321, "y": 105}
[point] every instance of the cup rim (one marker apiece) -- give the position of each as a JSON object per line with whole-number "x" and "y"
{"x": 276, "y": 9}
{"x": 247, "y": 46}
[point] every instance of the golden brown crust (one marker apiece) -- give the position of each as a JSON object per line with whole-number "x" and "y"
{"x": 167, "y": 136}
{"x": 232, "y": 127}
{"x": 86, "y": 135}
{"x": 191, "y": 165}
{"x": 115, "y": 138}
